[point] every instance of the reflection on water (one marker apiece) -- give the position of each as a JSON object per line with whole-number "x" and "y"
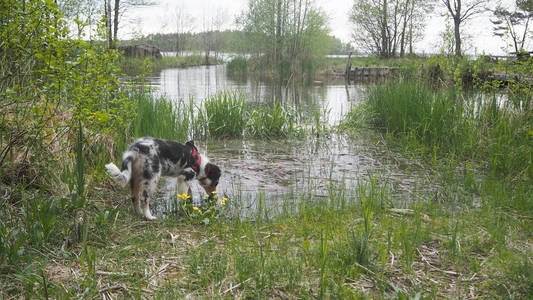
{"x": 274, "y": 170}
{"x": 201, "y": 82}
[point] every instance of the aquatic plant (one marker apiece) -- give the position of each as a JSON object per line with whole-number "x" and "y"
{"x": 160, "y": 118}
{"x": 224, "y": 114}
{"x": 485, "y": 128}
{"x": 269, "y": 121}
{"x": 237, "y": 66}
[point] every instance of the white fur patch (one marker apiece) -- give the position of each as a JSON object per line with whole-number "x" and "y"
{"x": 115, "y": 173}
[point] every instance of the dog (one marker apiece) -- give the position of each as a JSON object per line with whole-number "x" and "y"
{"x": 147, "y": 159}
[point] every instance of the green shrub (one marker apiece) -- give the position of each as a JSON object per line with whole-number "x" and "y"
{"x": 237, "y": 66}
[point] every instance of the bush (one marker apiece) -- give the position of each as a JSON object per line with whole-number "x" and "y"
{"x": 237, "y": 66}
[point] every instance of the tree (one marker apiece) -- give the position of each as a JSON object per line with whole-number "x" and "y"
{"x": 53, "y": 84}
{"x": 285, "y": 34}
{"x": 113, "y": 13}
{"x": 514, "y": 22}
{"x": 80, "y": 14}
{"x": 184, "y": 24}
{"x": 384, "y": 27}
{"x": 460, "y": 12}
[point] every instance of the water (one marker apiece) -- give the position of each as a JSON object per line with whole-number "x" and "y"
{"x": 282, "y": 169}
{"x": 201, "y": 82}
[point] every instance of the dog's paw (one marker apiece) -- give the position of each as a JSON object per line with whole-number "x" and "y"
{"x": 148, "y": 215}
{"x": 150, "y": 218}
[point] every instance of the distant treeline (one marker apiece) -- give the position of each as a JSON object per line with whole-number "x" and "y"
{"x": 228, "y": 41}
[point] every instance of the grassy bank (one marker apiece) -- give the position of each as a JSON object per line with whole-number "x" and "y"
{"x": 342, "y": 247}
{"x": 67, "y": 231}
{"x": 136, "y": 66}
{"x": 471, "y": 238}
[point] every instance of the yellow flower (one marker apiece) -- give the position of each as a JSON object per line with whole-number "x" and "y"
{"x": 213, "y": 192}
{"x": 223, "y": 201}
{"x": 184, "y": 196}
{"x": 197, "y": 209}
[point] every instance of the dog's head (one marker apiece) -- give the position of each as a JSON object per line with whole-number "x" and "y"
{"x": 211, "y": 171}
{"x": 210, "y": 181}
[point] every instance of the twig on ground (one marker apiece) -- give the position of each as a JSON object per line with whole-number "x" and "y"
{"x": 231, "y": 288}
{"x": 111, "y": 288}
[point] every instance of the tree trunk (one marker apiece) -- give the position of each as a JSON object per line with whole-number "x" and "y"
{"x": 405, "y": 15}
{"x": 277, "y": 50}
{"x": 411, "y": 38}
{"x": 384, "y": 27}
{"x": 457, "y": 35}
{"x": 107, "y": 9}
{"x": 177, "y": 44}
{"x": 115, "y": 23}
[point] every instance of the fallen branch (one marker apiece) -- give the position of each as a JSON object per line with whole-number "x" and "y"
{"x": 111, "y": 288}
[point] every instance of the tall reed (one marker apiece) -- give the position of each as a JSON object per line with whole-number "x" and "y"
{"x": 224, "y": 114}
{"x": 268, "y": 121}
{"x": 161, "y": 118}
{"x": 489, "y": 129}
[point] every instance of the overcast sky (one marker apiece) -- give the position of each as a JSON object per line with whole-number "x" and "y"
{"x": 161, "y": 18}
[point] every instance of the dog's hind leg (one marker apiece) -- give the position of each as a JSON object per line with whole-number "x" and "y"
{"x": 148, "y": 188}
{"x": 136, "y": 195}
{"x": 151, "y": 175}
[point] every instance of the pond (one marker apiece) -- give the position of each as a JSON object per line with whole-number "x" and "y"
{"x": 281, "y": 170}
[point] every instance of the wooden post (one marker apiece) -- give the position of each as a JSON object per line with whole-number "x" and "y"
{"x": 348, "y": 67}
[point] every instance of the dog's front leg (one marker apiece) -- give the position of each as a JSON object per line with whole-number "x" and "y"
{"x": 184, "y": 186}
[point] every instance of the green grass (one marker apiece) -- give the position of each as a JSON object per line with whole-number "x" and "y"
{"x": 161, "y": 118}
{"x": 228, "y": 114}
{"x": 224, "y": 114}
{"x": 469, "y": 238}
{"x": 237, "y": 66}
{"x": 482, "y": 128}
{"x": 345, "y": 247}
{"x": 272, "y": 121}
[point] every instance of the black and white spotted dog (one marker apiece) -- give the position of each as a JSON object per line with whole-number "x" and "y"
{"x": 147, "y": 159}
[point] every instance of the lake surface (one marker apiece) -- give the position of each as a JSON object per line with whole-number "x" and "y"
{"x": 281, "y": 170}
{"x": 201, "y": 82}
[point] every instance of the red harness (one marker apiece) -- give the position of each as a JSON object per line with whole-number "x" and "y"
{"x": 195, "y": 160}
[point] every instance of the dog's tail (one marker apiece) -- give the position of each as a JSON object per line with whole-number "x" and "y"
{"x": 122, "y": 176}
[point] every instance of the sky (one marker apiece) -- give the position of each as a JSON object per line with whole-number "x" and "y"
{"x": 162, "y": 18}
